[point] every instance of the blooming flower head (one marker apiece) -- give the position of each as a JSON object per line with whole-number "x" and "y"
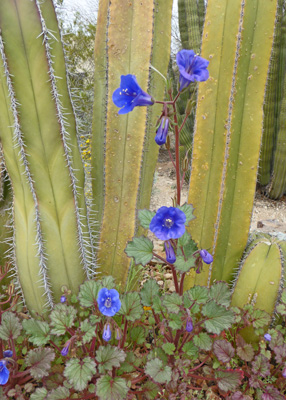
{"x": 191, "y": 67}
{"x": 206, "y": 256}
{"x": 4, "y": 372}
{"x": 130, "y": 95}
{"x": 168, "y": 223}
{"x": 267, "y": 337}
{"x": 106, "y": 332}
{"x": 170, "y": 254}
{"x": 65, "y": 349}
{"x": 108, "y": 302}
{"x": 189, "y": 325}
{"x": 162, "y": 131}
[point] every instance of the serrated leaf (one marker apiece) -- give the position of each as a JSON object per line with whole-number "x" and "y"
{"x": 169, "y": 348}
{"x": 223, "y": 350}
{"x": 149, "y": 290}
{"x": 141, "y": 249}
{"x": 157, "y": 305}
{"x": 281, "y": 309}
{"x": 60, "y": 393}
{"x": 131, "y": 306}
{"x": 107, "y": 282}
{"x": 199, "y": 293}
{"x": 108, "y": 357}
{"x": 40, "y": 361}
{"x": 79, "y": 372}
{"x": 88, "y": 292}
{"x": 261, "y": 366}
{"x": 246, "y": 353}
{"x": 62, "y": 317}
{"x": 203, "y": 341}
{"x": 175, "y": 321}
{"x": 40, "y": 394}
{"x": 220, "y": 292}
{"x": 260, "y": 318}
{"x": 188, "y": 210}
{"x": 88, "y": 330}
{"x": 145, "y": 217}
{"x": 10, "y": 326}
{"x": 38, "y": 331}
{"x": 218, "y": 317}
{"x": 138, "y": 334}
{"x": 191, "y": 350}
{"x": 128, "y": 365}
{"x": 150, "y": 390}
{"x": 108, "y": 388}
{"x": 172, "y": 302}
{"x": 280, "y": 353}
{"x": 271, "y": 393}
{"x": 183, "y": 265}
{"x": 185, "y": 239}
{"x": 228, "y": 379}
{"x": 157, "y": 371}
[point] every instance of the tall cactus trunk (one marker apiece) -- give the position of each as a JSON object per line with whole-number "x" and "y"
{"x": 237, "y": 39}
{"x": 52, "y": 239}
{"x": 129, "y": 36}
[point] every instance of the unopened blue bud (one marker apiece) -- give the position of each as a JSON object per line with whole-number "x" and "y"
{"x": 267, "y": 337}
{"x": 8, "y": 353}
{"x": 63, "y": 299}
{"x": 162, "y": 131}
{"x": 170, "y": 253}
{"x": 206, "y": 257}
{"x": 65, "y": 350}
{"x": 106, "y": 333}
{"x": 189, "y": 325}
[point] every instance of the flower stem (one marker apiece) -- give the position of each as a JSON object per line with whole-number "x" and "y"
{"x": 177, "y": 147}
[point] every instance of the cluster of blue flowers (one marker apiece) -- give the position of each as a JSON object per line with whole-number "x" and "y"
{"x": 129, "y": 95}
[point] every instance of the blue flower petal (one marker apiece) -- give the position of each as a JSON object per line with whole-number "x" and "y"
{"x": 4, "y": 373}
{"x": 191, "y": 67}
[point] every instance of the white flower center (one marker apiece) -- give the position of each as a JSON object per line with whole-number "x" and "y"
{"x": 107, "y": 302}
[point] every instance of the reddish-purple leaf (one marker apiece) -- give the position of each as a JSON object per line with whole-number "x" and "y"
{"x": 254, "y": 381}
{"x": 271, "y": 393}
{"x": 280, "y": 353}
{"x": 246, "y": 353}
{"x": 228, "y": 379}
{"x": 261, "y": 366}
{"x": 238, "y": 396}
{"x": 223, "y": 350}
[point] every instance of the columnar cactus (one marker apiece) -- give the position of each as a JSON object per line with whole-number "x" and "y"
{"x": 129, "y": 36}
{"x": 52, "y": 238}
{"x": 237, "y": 39}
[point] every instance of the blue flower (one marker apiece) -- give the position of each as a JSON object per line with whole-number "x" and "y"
{"x": 168, "y": 223}
{"x": 65, "y": 350}
{"x": 63, "y": 299}
{"x": 162, "y": 131}
{"x": 189, "y": 325}
{"x": 4, "y": 372}
{"x": 108, "y": 302}
{"x": 106, "y": 333}
{"x": 267, "y": 337}
{"x": 206, "y": 256}
{"x": 170, "y": 253}
{"x": 8, "y": 353}
{"x": 130, "y": 95}
{"x": 191, "y": 67}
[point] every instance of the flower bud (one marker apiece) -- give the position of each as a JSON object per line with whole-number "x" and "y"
{"x": 206, "y": 256}
{"x": 118, "y": 334}
{"x": 170, "y": 253}
{"x": 65, "y": 350}
{"x": 267, "y": 337}
{"x": 63, "y": 299}
{"x": 284, "y": 372}
{"x": 189, "y": 325}
{"x": 162, "y": 131}
{"x": 8, "y": 353}
{"x": 106, "y": 332}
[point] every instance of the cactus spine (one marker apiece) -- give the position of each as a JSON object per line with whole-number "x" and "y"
{"x": 52, "y": 240}
{"x": 123, "y": 148}
{"x": 228, "y": 129}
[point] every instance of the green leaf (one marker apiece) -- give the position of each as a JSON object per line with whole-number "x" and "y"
{"x": 184, "y": 240}
{"x": 260, "y": 318}
{"x": 157, "y": 305}
{"x": 79, "y": 372}
{"x": 246, "y": 352}
{"x": 188, "y": 210}
{"x": 157, "y": 371}
{"x": 150, "y": 390}
{"x": 40, "y": 361}
{"x": 38, "y": 331}
{"x": 129, "y": 363}
{"x": 10, "y": 326}
{"x": 145, "y": 217}
{"x": 175, "y": 321}
{"x": 62, "y": 317}
{"x": 184, "y": 266}
{"x": 88, "y": 330}
{"x": 220, "y": 292}
{"x": 108, "y": 388}
{"x": 228, "y": 379}
{"x": 149, "y": 290}
{"x": 223, "y": 350}
{"x": 88, "y": 293}
{"x": 218, "y": 317}
{"x": 191, "y": 350}
{"x": 40, "y": 394}
{"x": 131, "y": 306}
{"x": 169, "y": 348}
{"x": 261, "y": 366}
{"x": 203, "y": 341}
{"x": 107, "y": 282}
{"x": 141, "y": 249}
{"x": 172, "y": 302}
{"x": 108, "y": 357}
{"x": 199, "y": 293}
{"x": 138, "y": 334}
{"x": 61, "y": 393}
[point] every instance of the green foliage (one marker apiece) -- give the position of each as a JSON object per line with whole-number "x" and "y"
{"x": 141, "y": 249}
{"x": 79, "y": 372}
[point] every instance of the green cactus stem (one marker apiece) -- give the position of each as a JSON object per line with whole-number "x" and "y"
{"x": 52, "y": 239}
{"x": 123, "y": 149}
{"x": 228, "y": 130}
